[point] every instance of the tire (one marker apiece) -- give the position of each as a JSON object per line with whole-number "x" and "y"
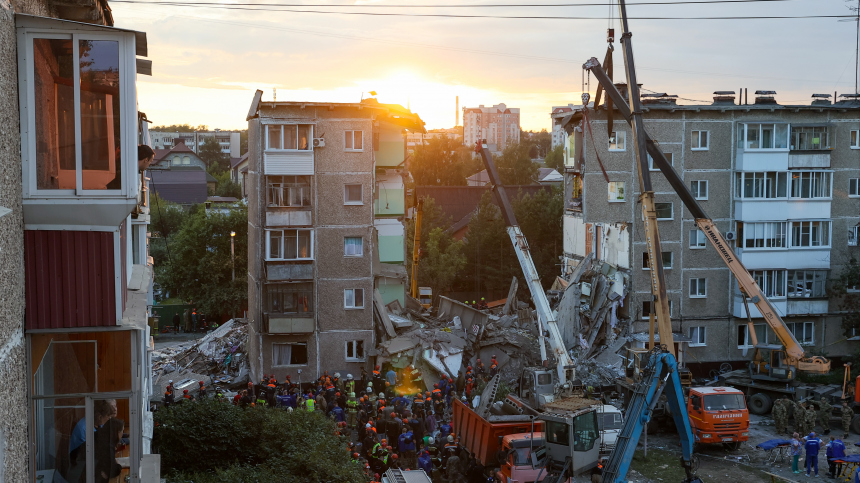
{"x": 855, "y": 424}
{"x": 725, "y": 367}
{"x": 760, "y": 404}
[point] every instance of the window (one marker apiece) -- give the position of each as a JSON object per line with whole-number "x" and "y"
{"x": 766, "y": 136}
{"x": 353, "y": 298}
{"x": 699, "y": 189}
{"x": 288, "y": 191}
{"x": 618, "y": 141}
{"x": 854, "y": 187}
{"x": 186, "y": 160}
{"x": 353, "y": 141}
{"x": 807, "y": 138}
{"x": 810, "y": 184}
{"x": 290, "y": 298}
{"x": 354, "y": 350}
{"x": 804, "y": 332}
{"x": 806, "y": 283}
{"x": 352, "y": 194}
{"x": 810, "y": 234}
{"x": 697, "y": 239}
{"x": 763, "y": 334}
{"x": 78, "y": 112}
{"x": 697, "y": 334}
{"x": 771, "y": 282}
{"x": 699, "y": 141}
{"x": 853, "y": 233}
{"x": 646, "y": 309}
{"x": 290, "y": 244}
{"x": 855, "y": 139}
{"x": 353, "y": 246}
{"x": 177, "y": 160}
{"x": 292, "y": 137}
{"x": 616, "y": 191}
{"x": 664, "y": 211}
{"x": 667, "y": 261}
{"x": 289, "y": 354}
{"x": 651, "y": 161}
{"x": 764, "y": 235}
{"x": 765, "y": 185}
{"x": 698, "y": 288}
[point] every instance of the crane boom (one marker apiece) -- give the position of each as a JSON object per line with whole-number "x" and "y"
{"x": 747, "y": 283}
{"x": 416, "y": 248}
{"x": 546, "y": 319}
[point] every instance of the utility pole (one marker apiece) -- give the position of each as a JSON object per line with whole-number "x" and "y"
{"x": 233, "y": 253}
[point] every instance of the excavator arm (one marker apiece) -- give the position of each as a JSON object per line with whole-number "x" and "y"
{"x": 747, "y": 283}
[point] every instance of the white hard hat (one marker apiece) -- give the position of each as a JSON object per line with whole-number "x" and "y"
{"x": 450, "y": 438}
{"x": 368, "y": 426}
{"x": 382, "y": 394}
{"x": 349, "y": 377}
{"x": 430, "y": 440}
{"x": 337, "y": 375}
{"x": 170, "y": 381}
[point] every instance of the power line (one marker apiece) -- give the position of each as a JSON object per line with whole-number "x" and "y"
{"x": 512, "y": 5}
{"x": 268, "y": 8}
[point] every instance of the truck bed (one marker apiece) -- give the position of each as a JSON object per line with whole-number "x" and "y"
{"x": 482, "y": 437}
{"x": 569, "y": 405}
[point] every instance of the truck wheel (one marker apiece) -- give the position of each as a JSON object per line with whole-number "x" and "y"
{"x": 855, "y": 424}
{"x": 760, "y": 404}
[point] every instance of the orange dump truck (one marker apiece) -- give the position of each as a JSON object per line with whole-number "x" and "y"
{"x": 482, "y": 438}
{"x": 718, "y": 415}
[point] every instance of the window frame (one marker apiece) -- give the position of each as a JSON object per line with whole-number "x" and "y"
{"x": 651, "y": 161}
{"x": 760, "y": 133}
{"x": 282, "y": 185}
{"x": 854, "y": 139}
{"x": 307, "y": 354}
{"x": 283, "y": 137}
{"x": 645, "y": 315}
{"x": 773, "y": 283}
{"x": 816, "y": 180}
{"x": 616, "y": 149}
{"x": 765, "y": 182}
{"x": 802, "y": 223}
{"x": 282, "y": 243}
{"x": 775, "y": 231}
{"x": 345, "y": 191}
{"x": 854, "y": 232}
{"x": 808, "y": 277}
{"x": 856, "y": 183}
{"x": 128, "y": 141}
{"x": 353, "y": 306}
{"x": 351, "y": 134}
{"x": 795, "y": 144}
{"x": 698, "y": 140}
{"x": 748, "y": 340}
{"x": 360, "y": 245}
{"x": 615, "y": 184}
{"x": 792, "y": 327}
{"x": 354, "y": 344}
{"x": 663, "y": 255}
{"x": 701, "y": 338}
{"x": 698, "y": 282}
{"x": 698, "y": 192}
{"x": 671, "y": 210}
{"x": 695, "y": 232}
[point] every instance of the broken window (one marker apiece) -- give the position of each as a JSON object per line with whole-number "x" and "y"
{"x": 355, "y": 350}
{"x": 646, "y": 309}
{"x": 292, "y": 354}
{"x": 353, "y": 298}
{"x": 289, "y": 298}
{"x": 667, "y": 261}
{"x": 618, "y": 141}
{"x": 668, "y": 157}
{"x": 763, "y": 334}
{"x": 807, "y": 283}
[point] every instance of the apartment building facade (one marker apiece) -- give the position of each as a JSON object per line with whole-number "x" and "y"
{"x": 326, "y": 198}
{"x": 228, "y": 140}
{"x": 557, "y": 134}
{"x": 780, "y": 181}
{"x": 499, "y": 125}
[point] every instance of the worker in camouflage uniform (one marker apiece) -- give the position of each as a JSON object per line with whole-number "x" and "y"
{"x": 847, "y": 416}
{"x": 824, "y": 412}
{"x": 811, "y": 415}
{"x": 780, "y": 415}
{"x": 800, "y": 418}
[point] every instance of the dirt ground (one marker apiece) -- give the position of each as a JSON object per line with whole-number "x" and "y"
{"x": 717, "y": 463}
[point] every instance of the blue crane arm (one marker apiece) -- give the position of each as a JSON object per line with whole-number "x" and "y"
{"x": 660, "y": 376}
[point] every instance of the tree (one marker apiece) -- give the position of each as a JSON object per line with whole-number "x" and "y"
{"x": 515, "y": 165}
{"x": 540, "y": 219}
{"x": 432, "y": 217}
{"x": 243, "y": 142}
{"x": 199, "y": 266}
{"x": 166, "y": 217}
{"x": 226, "y": 186}
{"x": 541, "y": 140}
{"x": 442, "y": 161}
{"x": 441, "y": 261}
{"x": 179, "y": 128}
{"x": 490, "y": 258}
{"x": 210, "y": 153}
{"x": 212, "y": 441}
{"x": 849, "y": 302}
{"x": 555, "y": 159}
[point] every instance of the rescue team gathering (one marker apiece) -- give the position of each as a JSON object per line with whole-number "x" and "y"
{"x": 385, "y": 421}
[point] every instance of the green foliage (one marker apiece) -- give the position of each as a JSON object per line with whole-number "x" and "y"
{"x": 243, "y": 142}
{"x": 515, "y": 165}
{"x": 849, "y": 303}
{"x": 211, "y": 441}
{"x": 441, "y": 261}
{"x": 225, "y": 186}
{"x": 540, "y": 218}
{"x": 179, "y": 128}
{"x": 540, "y": 141}
{"x": 210, "y": 153}
{"x": 442, "y": 161}
{"x": 555, "y": 159}
{"x": 445, "y": 247}
{"x": 199, "y": 265}
{"x": 166, "y": 217}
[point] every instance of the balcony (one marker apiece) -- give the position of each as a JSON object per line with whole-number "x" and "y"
{"x": 809, "y": 159}
{"x": 748, "y": 210}
{"x": 785, "y": 258}
{"x": 288, "y": 324}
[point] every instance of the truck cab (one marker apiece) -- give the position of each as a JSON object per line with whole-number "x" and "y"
{"x": 718, "y": 415}
{"x": 572, "y": 437}
{"x": 610, "y": 420}
{"x": 425, "y": 297}
{"x": 518, "y": 465}
{"x": 537, "y": 387}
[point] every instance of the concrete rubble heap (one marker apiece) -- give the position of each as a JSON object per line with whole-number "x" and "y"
{"x": 217, "y": 358}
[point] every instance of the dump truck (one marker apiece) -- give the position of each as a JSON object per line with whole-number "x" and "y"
{"x": 483, "y": 438}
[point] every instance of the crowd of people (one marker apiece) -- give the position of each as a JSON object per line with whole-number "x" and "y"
{"x": 385, "y": 420}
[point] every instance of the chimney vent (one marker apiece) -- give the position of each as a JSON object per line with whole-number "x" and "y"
{"x": 724, "y": 98}
{"x": 848, "y": 98}
{"x": 765, "y": 97}
{"x": 659, "y": 98}
{"x": 821, "y": 99}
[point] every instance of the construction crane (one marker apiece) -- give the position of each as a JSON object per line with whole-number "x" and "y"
{"x": 777, "y": 367}
{"x": 424, "y": 295}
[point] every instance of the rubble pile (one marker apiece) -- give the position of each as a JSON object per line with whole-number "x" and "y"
{"x": 219, "y": 358}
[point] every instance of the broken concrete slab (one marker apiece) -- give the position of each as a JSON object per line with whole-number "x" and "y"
{"x": 510, "y": 302}
{"x": 380, "y": 312}
{"x": 610, "y": 355}
{"x": 400, "y": 322}
{"x": 450, "y": 308}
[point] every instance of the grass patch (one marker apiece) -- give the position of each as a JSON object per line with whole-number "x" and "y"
{"x": 662, "y": 465}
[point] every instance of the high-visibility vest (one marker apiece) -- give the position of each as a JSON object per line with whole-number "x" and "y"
{"x": 309, "y": 404}
{"x": 351, "y": 405}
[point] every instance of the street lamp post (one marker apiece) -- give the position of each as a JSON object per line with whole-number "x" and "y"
{"x": 233, "y": 253}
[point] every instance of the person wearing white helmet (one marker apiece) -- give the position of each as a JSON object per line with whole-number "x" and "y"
{"x": 349, "y": 385}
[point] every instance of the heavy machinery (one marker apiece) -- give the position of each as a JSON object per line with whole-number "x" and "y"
{"x": 424, "y": 295}
{"x": 659, "y": 377}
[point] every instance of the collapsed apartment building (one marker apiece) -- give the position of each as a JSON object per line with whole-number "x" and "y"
{"x": 781, "y": 181}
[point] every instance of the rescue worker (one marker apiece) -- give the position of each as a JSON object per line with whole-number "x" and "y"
{"x": 810, "y": 416}
{"x": 337, "y": 413}
{"x": 168, "y": 397}
{"x": 186, "y": 396}
{"x": 201, "y": 390}
{"x": 824, "y": 412}
{"x": 780, "y": 415}
{"x": 835, "y": 451}
{"x": 847, "y": 416}
{"x": 351, "y": 410}
{"x": 349, "y": 385}
{"x": 378, "y": 385}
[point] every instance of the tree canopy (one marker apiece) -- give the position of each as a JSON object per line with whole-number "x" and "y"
{"x": 210, "y": 153}
{"x": 849, "y": 302}
{"x": 179, "y": 128}
{"x": 442, "y": 161}
{"x": 555, "y": 159}
{"x": 211, "y": 441}
{"x": 515, "y": 165}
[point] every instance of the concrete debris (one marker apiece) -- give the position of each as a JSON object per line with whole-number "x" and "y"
{"x": 596, "y": 374}
{"x": 511, "y": 301}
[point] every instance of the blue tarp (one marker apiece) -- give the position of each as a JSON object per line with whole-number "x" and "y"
{"x": 773, "y": 443}
{"x": 854, "y": 458}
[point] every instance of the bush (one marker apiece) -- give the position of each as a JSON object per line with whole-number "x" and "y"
{"x": 211, "y": 441}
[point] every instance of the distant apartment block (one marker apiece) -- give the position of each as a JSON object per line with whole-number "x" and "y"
{"x": 780, "y": 181}
{"x": 326, "y": 198}
{"x": 557, "y": 133}
{"x": 499, "y": 125}
{"x": 414, "y": 139}
{"x": 229, "y": 140}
